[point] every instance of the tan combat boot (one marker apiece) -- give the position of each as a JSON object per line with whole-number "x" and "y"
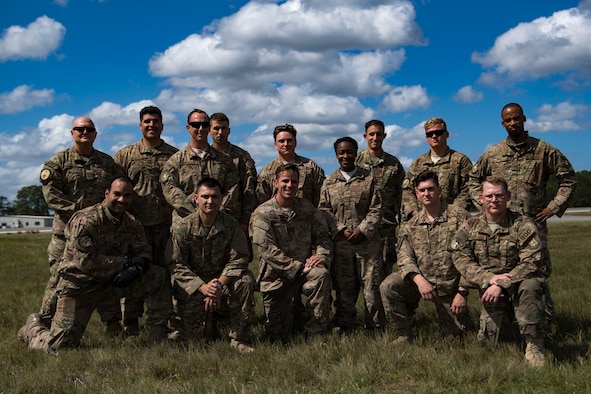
{"x": 31, "y": 328}
{"x": 534, "y": 355}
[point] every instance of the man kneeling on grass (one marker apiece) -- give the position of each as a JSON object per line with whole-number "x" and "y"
{"x": 106, "y": 257}
{"x": 425, "y": 268}
{"x": 211, "y": 279}
{"x": 500, "y": 253}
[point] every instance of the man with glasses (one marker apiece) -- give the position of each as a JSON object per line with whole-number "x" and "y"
{"x": 451, "y": 166}
{"x": 500, "y": 253}
{"x": 311, "y": 175}
{"x": 198, "y": 160}
{"x": 143, "y": 162}
{"x": 73, "y": 179}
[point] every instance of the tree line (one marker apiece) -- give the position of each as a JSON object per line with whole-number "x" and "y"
{"x": 29, "y": 199}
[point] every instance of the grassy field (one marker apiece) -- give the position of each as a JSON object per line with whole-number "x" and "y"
{"x": 356, "y": 363}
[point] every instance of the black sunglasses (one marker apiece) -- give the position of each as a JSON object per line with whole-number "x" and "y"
{"x": 196, "y": 125}
{"x": 82, "y": 129}
{"x": 438, "y": 133}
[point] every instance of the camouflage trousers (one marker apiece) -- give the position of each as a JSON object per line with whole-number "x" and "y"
{"x": 389, "y": 252}
{"x": 77, "y": 300}
{"x": 401, "y": 299}
{"x": 236, "y": 311}
{"x": 110, "y": 311}
{"x": 316, "y": 285}
{"x": 357, "y": 267}
{"x": 522, "y": 305}
{"x": 157, "y": 236}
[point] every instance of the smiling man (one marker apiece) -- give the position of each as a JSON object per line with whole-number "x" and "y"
{"x": 295, "y": 255}
{"x": 452, "y": 168}
{"x": 106, "y": 257}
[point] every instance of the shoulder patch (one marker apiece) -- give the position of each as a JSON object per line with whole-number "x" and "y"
{"x": 84, "y": 243}
{"x": 526, "y": 235}
{"x": 45, "y": 174}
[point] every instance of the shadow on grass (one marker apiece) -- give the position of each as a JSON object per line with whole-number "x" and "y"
{"x": 570, "y": 339}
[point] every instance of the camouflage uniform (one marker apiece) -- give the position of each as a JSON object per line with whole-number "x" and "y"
{"x": 424, "y": 249}
{"x": 480, "y": 252}
{"x": 143, "y": 165}
{"x": 389, "y": 174}
{"x": 527, "y": 167}
{"x": 452, "y": 170}
{"x": 72, "y": 182}
{"x": 201, "y": 253}
{"x": 356, "y": 203}
{"x": 183, "y": 171}
{"x": 311, "y": 178}
{"x": 248, "y": 181}
{"x": 285, "y": 239}
{"x": 96, "y": 243}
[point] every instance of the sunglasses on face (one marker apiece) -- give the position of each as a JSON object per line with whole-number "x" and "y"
{"x": 438, "y": 133}
{"x": 81, "y": 129}
{"x": 197, "y": 125}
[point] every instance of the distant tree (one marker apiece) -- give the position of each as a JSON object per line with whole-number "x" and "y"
{"x": 582, "y": 196}
{"x": 6, "y": 207}
{"x": 30, "y": 201}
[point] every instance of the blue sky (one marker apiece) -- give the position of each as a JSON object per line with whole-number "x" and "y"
{"x": 325, "y": 66}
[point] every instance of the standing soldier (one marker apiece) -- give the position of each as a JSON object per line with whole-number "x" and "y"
{"x": 311, "y": 175}
{"x": 74, "y": 179}
{"x": 210, "y": 270}
{"x": 106, "y": 257}
{"x": 389, "y": 174}
{"x": 198, "y": 160}
{"x": 142, "y": 162}
{"x": 527, "y": 163}
{"x": 220, "y": 130}
{"x": 353, "y": 200}
{"x": 295, "y": 254}
{"x": 452, "y": 168}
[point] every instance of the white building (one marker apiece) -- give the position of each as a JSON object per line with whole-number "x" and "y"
{"x": 26, "y": 222}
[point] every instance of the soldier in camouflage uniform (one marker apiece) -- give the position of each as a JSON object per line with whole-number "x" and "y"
{"x": 451, "y": 166}
{"x": 311, "y": 175}
{"x": 425, "y": 267}
{"x": 220, "y": 130}
{"x": 295, "y": 255}
{"x": 74, "y": 179}
{"x": 527, "y": 163}
{"x": 389, "y": 173}
{"x": 500, "y": 253}
{"x": 354, "y": 201}
{"x": 106, "y": 257}
{"x": 198, "y": 160}
{"x": 143, "y": 162}
{"x": 210, "y": 270}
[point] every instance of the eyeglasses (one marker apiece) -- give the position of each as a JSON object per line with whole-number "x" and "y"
{"x": 197, "y": 125}
{"x": 438, "y": 133}
{"x": 490, "y": 197}
{"x": 82, "y": 129}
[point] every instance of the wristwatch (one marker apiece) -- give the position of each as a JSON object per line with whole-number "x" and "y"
{"x": 463, "y": 293}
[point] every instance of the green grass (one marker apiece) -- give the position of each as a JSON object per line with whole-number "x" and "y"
{"x": 356, "y": 363}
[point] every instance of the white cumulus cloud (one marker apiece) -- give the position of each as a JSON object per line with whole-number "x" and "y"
{"x": 468, "y": 94}
{"x": 23, "y": 98}
{"x": 404, "y": 98}
{"x": 35, "y": 41}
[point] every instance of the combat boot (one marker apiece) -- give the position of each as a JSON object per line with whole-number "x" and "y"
{"x": 242, "y": 347}
{"x": 534, "y": 355}
{"x": 131, "y": 328}
{"x": 113, "y": 328}
{"x": 31, "y": 328}
{"x": 157, "y": 334}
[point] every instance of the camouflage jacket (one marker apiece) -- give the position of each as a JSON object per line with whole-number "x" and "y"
{"x": 201, "y": 253}
{"x": 526, "y": 167}
{"x": 515, "y": 247}
{"x": 389, "y": 174}
{"x": 285, "y": 239}
{"x": 248, "y": 181}
{"x": 356, "y": 203}
{"x": 143, "y": 165}
{"x": 311, "y": 178}
{"x": 72, "y": 182}
{"x": 424, "y": 248}
{"x": 183, "y": 171}
{"x": 96, "y": 243}
{"x": 452, "y": 170}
